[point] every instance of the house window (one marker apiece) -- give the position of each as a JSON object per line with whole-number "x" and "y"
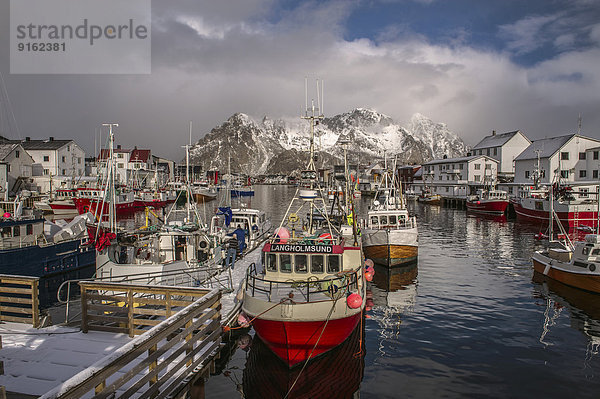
{"x": 527, "y": 174}
{"x": 447, "y": 177}
{"x": 46, "y": 158}
{"x": 8, "y": 168}
{"x": 64, "y": 159}
{"x": 595, "y": 155}
{"x": 488, "y": 152}
{"x": 477, "y": 166}
{"x": 564, "y": 174}
{"x": 476, "y": 177}
{"x": 582, "y": 173}
{"x": 460, "y": 166}
{"x": 595, "y": 174}
{"x": 488, "y": 166}
{"x": 29, "y": 229}
{"x": 447, "y": 189}
{"x": 495, "y": 151}
{"x": 17, "y": 154}
{"x": 582, "y": 156}
{"x": 510, "y": 190}
{"x": 440, "y": 178}
{"x": 583, "y": 193}
{"x": 119, "y": 165}
{"x": 64, "y": 172}
{"x": 119, "y": 155}
{"x": 542, "y": 174}
{"x": 564, "y": 156}
{"x": 46, "y": 172}
{"x": 79, "y": 160}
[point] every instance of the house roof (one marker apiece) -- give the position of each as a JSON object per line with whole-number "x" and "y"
{"x": 139, "y": 155}
{"x": 546, "y": 147}
{"x": 44, "y": 144}
{"x": 105, "y": 152}
{"x": 6, "y": 149}
{"x": 496, "y": 140}
{"x": 461, "y": 159}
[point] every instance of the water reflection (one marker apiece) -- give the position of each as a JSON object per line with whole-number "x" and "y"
{"x": 583, "y": 307}
{"x": 337, "y": 375}
{"x": 391, "y": 295}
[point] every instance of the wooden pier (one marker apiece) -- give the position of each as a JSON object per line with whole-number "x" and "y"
{"x": 176, "y": 336}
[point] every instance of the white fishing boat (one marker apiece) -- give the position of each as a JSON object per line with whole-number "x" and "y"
{"x": 390, "y": 233}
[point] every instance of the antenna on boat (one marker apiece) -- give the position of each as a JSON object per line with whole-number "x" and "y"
{"x": 579, "y": 124}
{"x": 112, "y": 214}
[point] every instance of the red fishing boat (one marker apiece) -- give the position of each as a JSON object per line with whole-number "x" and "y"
{"x": 308, "y": 296}
{"x": 492, "y": 202}
{"x": 94, "y": 200}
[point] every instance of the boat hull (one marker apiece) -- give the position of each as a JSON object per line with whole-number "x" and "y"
{"x": 551, "y": 268}
{"x": 88, "y": 205}
{"x": 391, "y": 247}
{"x": 487, "y": 207}
{"x": 570, "y": 216}
{"x": 295, "y": 342}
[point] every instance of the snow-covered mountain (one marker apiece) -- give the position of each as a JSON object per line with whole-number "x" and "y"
{"x": 280, "y": 146}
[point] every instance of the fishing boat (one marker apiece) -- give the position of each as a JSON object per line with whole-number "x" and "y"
{"x": 98, "y": 200}
{"x": 307, "y": 296}
{"x": 427, "y": 197}
{"x": 32, "y": 246}
{"x": 60, "y": 203}
{"x": 179, "y": 253}
{"x": 390, "y": 233}
{"x": 576, "y": 265}
{"x": 488, "y": 201}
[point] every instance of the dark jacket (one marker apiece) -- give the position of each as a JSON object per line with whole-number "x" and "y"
{"x": 232, "y": 243}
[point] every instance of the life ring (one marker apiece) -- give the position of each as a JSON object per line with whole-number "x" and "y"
{"x": 293, "y": 218}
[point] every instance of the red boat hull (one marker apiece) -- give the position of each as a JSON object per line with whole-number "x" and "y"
{"x": 297, "y": 341}
{"x": 488, "y": 207}
{"x": 84, "y": 205}
{"x": 569, "y": 220}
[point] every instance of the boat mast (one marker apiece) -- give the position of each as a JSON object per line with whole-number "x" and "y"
{"x": 112, "y": 206}
{"x": 187, "y": 175}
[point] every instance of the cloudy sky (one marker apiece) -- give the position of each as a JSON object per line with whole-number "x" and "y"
{"x": 476, "y": 65}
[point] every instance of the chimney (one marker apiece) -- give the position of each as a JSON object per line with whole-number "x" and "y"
{"x": 118, "y": 146}
{"x": 51, "y": 138}
{"x": 493, "y": 132}
{"x": 469, "y": 154}
{"x": 27, "y": 138}
{"x": 445, "y": 156}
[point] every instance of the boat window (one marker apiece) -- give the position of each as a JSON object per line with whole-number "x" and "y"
{"x": 29, "y": 229}
{"x": 585, "y": 251}
{"x": 392, "y": 219}
{"x": 272, "y": 262}
{"x": 316, "y": 263}
{"x": 383, "y": 219}
{"x": 16, "y": 231}
{"x": 374, "y": 221}
{"x": 7, "y": 232}
{"x": 333, "y": 263}
{"x": 596, "y": 251}
{"x": 285, "y": 263}
{"x": 300, "y": 263}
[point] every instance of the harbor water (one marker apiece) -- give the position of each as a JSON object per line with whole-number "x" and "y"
{"x": 469, "y": 320}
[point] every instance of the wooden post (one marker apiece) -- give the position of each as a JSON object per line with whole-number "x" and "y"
{"x": 152, "y": 366}
{"x": 100, "y": 387}
{"x": 168, "y": 304}
{"x": 130, "y": 313}
{"x": 188, "y": 339}
{"x": 84, "y": 308}
{"x": 35, "y": 305}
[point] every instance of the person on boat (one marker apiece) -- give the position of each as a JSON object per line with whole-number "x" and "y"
{"x": 232, "y": 249}
{"x": 241, "y": 235}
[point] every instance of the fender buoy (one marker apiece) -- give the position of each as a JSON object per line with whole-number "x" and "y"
{"x": 243, "y": 320}
{"x": 354, "y": 301}
{"x": 369, "y": 263}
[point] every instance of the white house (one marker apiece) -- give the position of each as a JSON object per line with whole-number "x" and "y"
{"x": 570, "y": 158}
{"x": 504, "y": 147}
{"x": 58, "y": 158}
{"x": 18, "y": 168}
{"x": 592, "y": 160}
{"x": 457, "y": 177}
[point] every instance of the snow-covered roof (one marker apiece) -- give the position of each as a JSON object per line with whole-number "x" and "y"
{"x": 496, "y": 140}
{"x": 546, "y": 147}
{"x": 461, "y": 159}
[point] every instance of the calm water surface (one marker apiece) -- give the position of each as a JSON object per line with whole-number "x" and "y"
{"x": 468, "y": 321}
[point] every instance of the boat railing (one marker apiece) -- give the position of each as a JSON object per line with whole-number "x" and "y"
{"x": 311, "y": 289}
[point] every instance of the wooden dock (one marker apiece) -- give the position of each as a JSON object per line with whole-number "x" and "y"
{"x": 135, "y": 341}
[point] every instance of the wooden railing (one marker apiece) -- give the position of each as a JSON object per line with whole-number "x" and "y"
{"x": 19, "y": 300}
{"x": 133, "y": 309}
{"x": 185, "y": 341}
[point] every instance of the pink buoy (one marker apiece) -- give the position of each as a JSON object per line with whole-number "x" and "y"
{"x": 283, "y": 234}
{"x": 6, "y": 215}
{"x": 354, "y": 301}
{"x": 370, "y": 269}
{"x": 369, "y": 263}
{"x": 369, "y": 276}
{"x": 243, "y": 320}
